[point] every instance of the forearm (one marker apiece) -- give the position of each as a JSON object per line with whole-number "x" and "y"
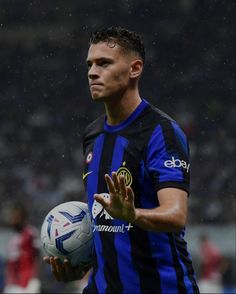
{"x": 160, "y": 219}
{"x": 169, "y": 216}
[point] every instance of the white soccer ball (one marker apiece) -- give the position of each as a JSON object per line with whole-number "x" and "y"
{"x": 67, "y": 233}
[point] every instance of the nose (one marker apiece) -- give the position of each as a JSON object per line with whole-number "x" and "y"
{"x": 93, "y": 72}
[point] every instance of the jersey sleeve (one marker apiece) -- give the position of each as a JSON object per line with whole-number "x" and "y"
{"x": 168, "y": 157}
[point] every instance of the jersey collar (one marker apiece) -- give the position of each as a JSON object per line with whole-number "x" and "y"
{"x": 126, "y": 122}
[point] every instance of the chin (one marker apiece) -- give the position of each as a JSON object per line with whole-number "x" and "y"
{"x": 97, "y": 97}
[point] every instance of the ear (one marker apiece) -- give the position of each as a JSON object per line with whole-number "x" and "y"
{"x": 136, "y": 68}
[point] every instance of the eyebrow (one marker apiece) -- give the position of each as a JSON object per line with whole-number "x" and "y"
{"x": 88, "y": 61}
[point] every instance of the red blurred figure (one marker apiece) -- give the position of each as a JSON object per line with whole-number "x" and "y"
{"x": 22, "y": 268}
{"x": 211, "y": 267}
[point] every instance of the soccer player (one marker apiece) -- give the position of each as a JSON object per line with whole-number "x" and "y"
{"x": 211, "y": 266}
{"x": 136, "y": 175}
{"x": 22, "y": 265}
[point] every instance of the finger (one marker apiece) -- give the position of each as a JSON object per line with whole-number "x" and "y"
{"x": 123, "y": 186}
{"x": 46, "y": 259}
{"x": 54, "y": 269}
{"x": 130, "y": 194}
{"x": 59, "y": 269}
{"x": 69, "y": 272}
{"x": 110, "y": 184}
{"x": 116, "y": 181}
{"x": 99, "y": 198}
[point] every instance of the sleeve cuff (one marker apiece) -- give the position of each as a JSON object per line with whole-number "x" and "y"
{"x": 179, "y": 185}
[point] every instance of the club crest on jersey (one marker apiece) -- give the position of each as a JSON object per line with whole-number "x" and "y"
{"x": 126, "y": 173}
{"x": 89, "y": 157}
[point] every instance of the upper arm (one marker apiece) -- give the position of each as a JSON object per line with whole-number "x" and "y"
{"x": 175, "y": 201}
{"x": 168, "y": 157}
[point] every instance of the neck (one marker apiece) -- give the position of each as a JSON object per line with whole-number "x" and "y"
{"x": 118, "y": 110}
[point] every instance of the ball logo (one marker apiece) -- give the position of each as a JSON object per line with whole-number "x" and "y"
{"x": 127, "y": 175}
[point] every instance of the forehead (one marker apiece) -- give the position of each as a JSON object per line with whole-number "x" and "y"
{"x": 104, "y": 50}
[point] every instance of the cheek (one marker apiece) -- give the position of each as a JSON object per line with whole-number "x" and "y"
{"x": 121, "y": 78}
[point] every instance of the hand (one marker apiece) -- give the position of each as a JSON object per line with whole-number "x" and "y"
{"x": 121, "y": 202}
{"x": 63, "y": 271}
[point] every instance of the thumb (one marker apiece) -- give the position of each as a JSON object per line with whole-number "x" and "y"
{"x": 100, "y": 199}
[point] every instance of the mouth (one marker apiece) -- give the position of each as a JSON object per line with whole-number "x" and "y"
{"x": 95, "y": 84}
{"x": 95, "y": 87}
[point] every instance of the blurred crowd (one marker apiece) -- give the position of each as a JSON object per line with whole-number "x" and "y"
{"x": 45, "y": 101}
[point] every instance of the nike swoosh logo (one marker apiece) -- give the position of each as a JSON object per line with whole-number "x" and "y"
{"x": 85, "y": 175}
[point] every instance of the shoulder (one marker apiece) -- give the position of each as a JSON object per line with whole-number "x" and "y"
{"x": 31, "y": 236}
{"x": 166, "y": 133}
{"x": 93, "y": 130}
{"x": 160, "y": 122}
{"x": 31, "y": 231}
{"x": 166, "y": 122}
{"x": 95, "y": 125}
{"x": 159, "y": 114}
{"x": 153, "y": 116}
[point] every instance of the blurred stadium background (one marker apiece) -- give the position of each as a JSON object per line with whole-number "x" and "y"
{"x": 45, "y": 103}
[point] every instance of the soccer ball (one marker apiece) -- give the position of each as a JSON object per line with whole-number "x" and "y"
{"x": 67, "y": 233}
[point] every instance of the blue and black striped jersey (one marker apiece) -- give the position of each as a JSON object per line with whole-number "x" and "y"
{"x": 152, "y": 152}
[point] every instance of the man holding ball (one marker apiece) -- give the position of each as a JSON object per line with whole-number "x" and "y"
{"x": 136, "y": 175}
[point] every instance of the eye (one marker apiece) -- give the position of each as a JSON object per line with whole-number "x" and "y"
{"x": 89, "y": 65}
{"x": 104, "y": 63}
